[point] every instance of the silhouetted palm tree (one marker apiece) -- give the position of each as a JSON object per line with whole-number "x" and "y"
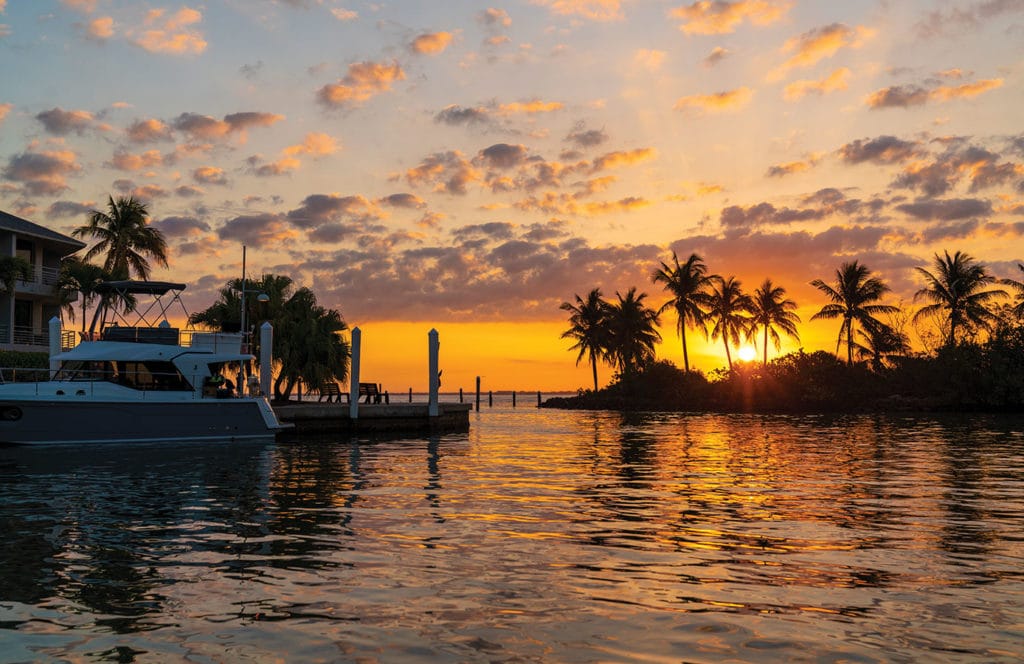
{"x": 853, "y": 296}
{"x": 770, "y": 310}
{"x": 688, "y": 283}
{"x": 730, "y": 310}
{"x": 632, "y": 331}
{"x": 78, "y": 278}
{"x": 958, "y": 288}
{"x": 309, "y": 344}
{"x": 879, "y": 342}
{"x": 1018, "y": 286}
{"x": 125, "y": 236}
{"x": 13, "y": 269}
{"x": 588, "y": 320}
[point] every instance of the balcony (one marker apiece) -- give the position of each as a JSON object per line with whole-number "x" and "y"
{"x": 41, "y": 282}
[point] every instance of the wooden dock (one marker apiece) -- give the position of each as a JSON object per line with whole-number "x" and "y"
{"x": 321, "y": 418}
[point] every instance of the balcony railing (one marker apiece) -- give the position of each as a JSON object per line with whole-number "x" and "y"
{"x": 24, "y": 335}
{"x": 47, "y": 276}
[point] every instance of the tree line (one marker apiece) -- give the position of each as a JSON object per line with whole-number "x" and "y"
{"x": 309, "y": 341}
{"x": 967, "y": 303}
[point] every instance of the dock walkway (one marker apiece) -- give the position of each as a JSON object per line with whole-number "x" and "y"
{"x": 318, "y": 418}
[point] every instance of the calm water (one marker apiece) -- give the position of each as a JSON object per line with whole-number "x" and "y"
{"x": 538, "y": 536}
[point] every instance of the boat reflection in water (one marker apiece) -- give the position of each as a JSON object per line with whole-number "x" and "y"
{"x": 138, "y": 383}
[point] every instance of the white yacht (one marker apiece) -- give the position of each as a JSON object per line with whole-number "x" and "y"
{"x": 138, "y": 383}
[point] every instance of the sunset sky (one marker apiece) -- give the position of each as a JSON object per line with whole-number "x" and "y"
{"x": 469, "y": 166}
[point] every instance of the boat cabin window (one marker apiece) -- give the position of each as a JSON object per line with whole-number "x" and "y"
{"x": 146, "y": 375}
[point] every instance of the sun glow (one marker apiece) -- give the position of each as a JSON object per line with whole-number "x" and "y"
{"x": 747, "y": 353}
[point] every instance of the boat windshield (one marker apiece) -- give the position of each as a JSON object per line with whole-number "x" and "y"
{"x": 143, "y": 375}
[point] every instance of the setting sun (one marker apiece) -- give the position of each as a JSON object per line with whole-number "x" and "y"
{"x": 747, "y": 353}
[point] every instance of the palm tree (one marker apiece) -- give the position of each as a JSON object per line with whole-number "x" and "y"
{"x": 78, "y": 278}
{"x": 588, "y": 328}
{"x": 1018, "y": 286}
{"x": 958, "y": 288}
{"x": 688, "y": 284}
{"x": 632, "y": 331}
{"x": 13, "y": 269}
{"x": 770, "y": 309}
{"x": 879, "y": 342}
{"x": 124, "y": 235}
{"x": 853, "y": 296}
{"x": 309, "y": 344}
{"x": 730, "y": 310}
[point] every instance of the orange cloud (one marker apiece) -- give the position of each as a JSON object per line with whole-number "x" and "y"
{"x": 282, "y": 166}
{"x": 967, "y": 90}
{"x": 904, "y": 96}
{"x": 148, "y": 130}
{"x": 531, "y": 107}
{"x": 315, "y": 144}
{"x": 720, "y": 17}
{"x": 363, "y": 81}
{"x": 789, "y": 168}
{"x": 820, "y": 43}
{"x": 4, "y": 110}
{"x": 82, "y": 6}
{"x": 623, "y": 158}
{"x": 729, "y": 100}
{"x": 209, "y": 175}
{"x": 100, "y": 29}
{"x": 431, "y": 43}
{"x": 344, "y": 14}
{"x": 595, "y": 10}
{"x": 41, "y": 172}
{"x": 171, "y": 33}
{"x": 649, "y": 58}
{"x": 837, "y": 80}
{"x": 126, "y": 161}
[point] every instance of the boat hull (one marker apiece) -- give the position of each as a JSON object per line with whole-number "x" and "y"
{"x": 49, "y": 422}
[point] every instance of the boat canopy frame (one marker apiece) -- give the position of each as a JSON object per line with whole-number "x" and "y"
{"x": 127, "y": 290}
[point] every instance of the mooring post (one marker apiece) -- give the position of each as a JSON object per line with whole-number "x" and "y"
{"x": 434, "y": 346}
{"x": 266, "y": 357}
{"x": 513, "y": 398}
{"x": 410, "y": 395}
{"x": 490, "y": 398}
{"x": 538, "y": 398}
{"x": 478, "y": 394}
{"x": 353, "y": 374}
{"x": 460, "y": 395}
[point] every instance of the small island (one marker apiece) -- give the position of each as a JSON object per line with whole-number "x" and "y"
{"x": 973, "y": 360}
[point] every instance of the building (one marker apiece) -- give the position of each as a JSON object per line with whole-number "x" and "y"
{"x": 25, "y": 313}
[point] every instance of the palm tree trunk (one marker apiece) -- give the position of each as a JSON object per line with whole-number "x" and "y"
{"x": 686, "y": 358}
{"x": 849, "y": 343}
{"x": 593, "y": 365}
{"x": 728, "y": 355}
{"x": 766, "y": 346}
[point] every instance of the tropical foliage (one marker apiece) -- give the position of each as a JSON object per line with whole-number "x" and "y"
{"x": 13, "y": 269}
{"x": 730, "y": 310}
{"x": 958, "y": 289}
{"x": 79, "y": 279}
{"x": 309, "y": 341}
{"x": 980, "y": 332}
{"x": 588, "y": 328}
{"x": 688, "y": 283}
{"x": 854, "y": 298}
{"x": 125, "y": 238}
{"x": 772, "y": 311}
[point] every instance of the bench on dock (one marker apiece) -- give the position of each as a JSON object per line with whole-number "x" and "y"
{"x": 370, "y": 391}
{"x": 330, "y": 392}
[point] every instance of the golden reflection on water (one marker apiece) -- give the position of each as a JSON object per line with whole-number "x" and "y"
{"x": 539, "y": 535}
